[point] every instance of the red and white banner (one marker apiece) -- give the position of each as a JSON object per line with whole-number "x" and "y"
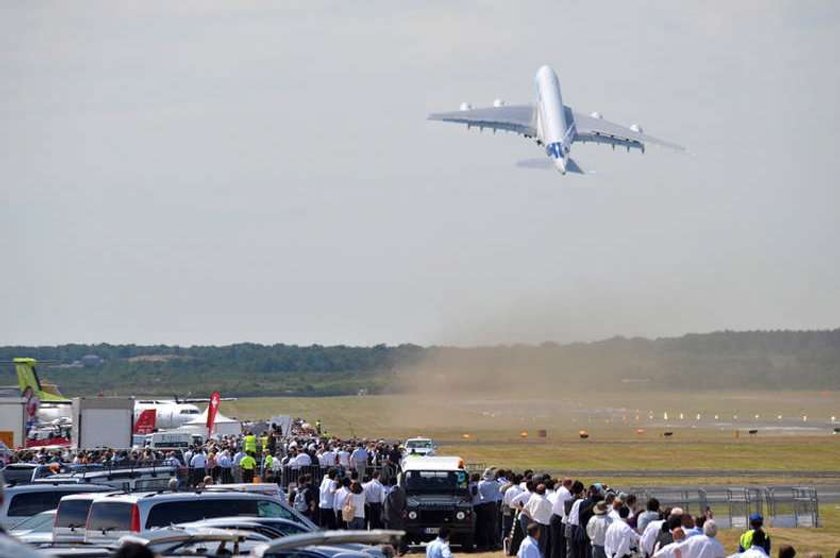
{"x": 215, "y": 399}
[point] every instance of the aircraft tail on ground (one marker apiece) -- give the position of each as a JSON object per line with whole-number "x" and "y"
{"x": 145, "y": 423}
{"x": 28, "y": 380}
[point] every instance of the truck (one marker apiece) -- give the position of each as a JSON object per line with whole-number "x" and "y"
{"x": 103, "y": 422}
{"x": 438, "y": 493}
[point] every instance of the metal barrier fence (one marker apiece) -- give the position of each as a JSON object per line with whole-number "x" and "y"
{"x": 782, "y": 506}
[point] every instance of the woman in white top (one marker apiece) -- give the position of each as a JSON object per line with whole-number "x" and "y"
{"x": 356, "y": 498}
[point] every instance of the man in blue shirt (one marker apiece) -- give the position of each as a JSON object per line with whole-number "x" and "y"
{"x": 439, "y": 548}
{"x": 530, "y": 547}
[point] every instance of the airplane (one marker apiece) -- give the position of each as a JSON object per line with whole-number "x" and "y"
{"x": 45, "y": 403}
{"x": 552, "y": 124}
{"x": 43, "y": 400}
{"x": 169, "y": 413}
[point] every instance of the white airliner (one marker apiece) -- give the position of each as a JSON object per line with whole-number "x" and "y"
{"x": 552, "y": 124}
{"x": 169, "y": 414}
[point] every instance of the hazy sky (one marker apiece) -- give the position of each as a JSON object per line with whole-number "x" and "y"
{"x": 213, "y": 172}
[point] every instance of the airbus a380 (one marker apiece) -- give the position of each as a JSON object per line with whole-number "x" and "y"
{"x": 553, "y": 124}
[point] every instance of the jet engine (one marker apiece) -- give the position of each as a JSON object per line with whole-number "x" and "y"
{"x": 636, "y": 128}
{"x": 465, "y": 106}
{"x": 597, "y": 115}
{"x": 498, "y": 103}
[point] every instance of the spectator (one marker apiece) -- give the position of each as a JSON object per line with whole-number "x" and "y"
{"x": 439, "y": 548}
{"x": 530, "y": 547}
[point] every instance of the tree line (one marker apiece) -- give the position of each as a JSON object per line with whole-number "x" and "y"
{"x": 726, "y": 359}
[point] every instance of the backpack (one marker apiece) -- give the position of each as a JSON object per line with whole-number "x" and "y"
{"x": 300, "y": 501}
{"x": 348, "y": 511}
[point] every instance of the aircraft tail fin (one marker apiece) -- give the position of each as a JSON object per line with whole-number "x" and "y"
{"x": 145, "y": 423}
{"x": 572, "y": 166}
{"x": 28, "y": 381}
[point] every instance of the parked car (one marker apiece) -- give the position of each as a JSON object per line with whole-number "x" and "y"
{"x": 272, "y": 527}
{"x": 122, "y": 514}
{"x": 35, "y": 529}
{"x": 25, "y": 500}
{"x": 71, "y": 516}
{"x": 328, "y": 544}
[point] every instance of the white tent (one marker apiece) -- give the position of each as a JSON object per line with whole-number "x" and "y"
{"x": 223, "y": 426}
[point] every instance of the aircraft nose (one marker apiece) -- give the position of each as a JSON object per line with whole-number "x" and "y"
{"x": 560, "y": 165}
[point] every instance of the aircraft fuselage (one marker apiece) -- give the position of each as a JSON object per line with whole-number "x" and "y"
{"x": 553, "y": 130}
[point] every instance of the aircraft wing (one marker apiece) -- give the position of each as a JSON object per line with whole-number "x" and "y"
{"x": 598, "y": 130}
{"x": 514, "y": 118}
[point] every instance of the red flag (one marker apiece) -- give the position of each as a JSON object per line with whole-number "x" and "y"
{"x": 215, "y": 399}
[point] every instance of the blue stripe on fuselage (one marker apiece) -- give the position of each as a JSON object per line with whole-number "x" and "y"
{"x": 555, "y": 150}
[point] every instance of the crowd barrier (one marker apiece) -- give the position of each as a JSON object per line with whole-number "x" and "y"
{"x": 781, "y": 506}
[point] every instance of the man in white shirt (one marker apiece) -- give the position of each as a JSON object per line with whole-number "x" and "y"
{"x": 705, "y": 545}
{"x": 557, "y": 540}
{"x": 327, "y": 458}
{"x": 508, "y": 511}
{"x": 237, "y": 470}
{"x": 648, "y": 538}
{"x": 530, "y": 547}
{"x": 344, "y": 458}
{"x": 374, "y": 497}
{"x": 620, "y": 538}
{"x": 596, "y": 529}
{"x": 198, "y": 467}
{"x": 302, "y": 459}
{"x": 538, "y": 509}
{"x": 326, "y": 495}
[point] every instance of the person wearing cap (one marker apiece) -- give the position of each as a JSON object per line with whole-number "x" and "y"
{"x": 705, "y": 545}
{"x": 746, "y": 540}
{"x": 620, "y": 539}
{"x": 596, "y": 529}
{"x": 759, "y": 542}
{"x": 489, "y": 496}
{"x": 530, "y": 547}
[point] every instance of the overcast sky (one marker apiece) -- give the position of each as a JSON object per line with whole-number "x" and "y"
{"x": 215, "y": 172}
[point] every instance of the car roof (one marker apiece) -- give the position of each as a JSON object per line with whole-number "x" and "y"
{"x": 165, "y": 496}
{"x": 47, "y": 487}
{"x": 439, "y": 463}
{"x": 332, "y": 538}
{"x": 88, "y": 495}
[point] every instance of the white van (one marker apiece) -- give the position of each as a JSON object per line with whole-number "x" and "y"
{"x": 169, "y": 440}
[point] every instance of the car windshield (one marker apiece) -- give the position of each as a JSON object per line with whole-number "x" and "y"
{"x": 435, "y": 481}
{"x": 418, "y": 444}
{"x": 41, "y": 523}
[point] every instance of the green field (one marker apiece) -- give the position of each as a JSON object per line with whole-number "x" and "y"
{"x": 490, "y": 431}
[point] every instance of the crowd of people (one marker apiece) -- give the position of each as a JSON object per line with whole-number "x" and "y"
{"x": 352, "y": 484}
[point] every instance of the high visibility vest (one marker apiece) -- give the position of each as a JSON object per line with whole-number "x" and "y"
{"x": 248, "y": 463}
{"x": 264, "y": 442}
{"x": 746, "y": 539}
{"x": 250, "y": 443}
{"x": 268, "y": 461}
